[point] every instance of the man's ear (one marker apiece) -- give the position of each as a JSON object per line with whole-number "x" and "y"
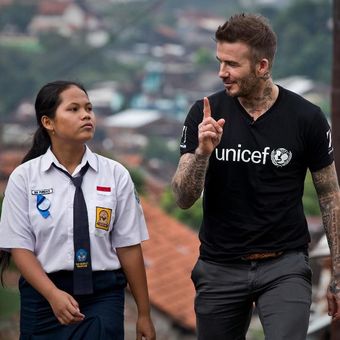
{"x": 262, "y": 67}
{"x": 47, "y": 123}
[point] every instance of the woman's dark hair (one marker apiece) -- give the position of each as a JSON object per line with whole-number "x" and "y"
{"x": 253, "y": 30}
{"x": 46, "y": 104}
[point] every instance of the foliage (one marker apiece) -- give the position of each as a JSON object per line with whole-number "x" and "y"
{"x": 17, "y": 16}
{"x": 310, "y": 198}
{"x": 56, "y": 58}
{"x": 138, "y": 180}
{"x": 9, "y": 302}
{"x": 304, "y": 41}
{"x": 192, "y": 217}
{"x": 158, "y": 148}
{"x": 203, "y": 56}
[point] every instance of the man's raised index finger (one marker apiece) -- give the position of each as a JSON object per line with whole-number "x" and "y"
{"x": 206, "y": 108}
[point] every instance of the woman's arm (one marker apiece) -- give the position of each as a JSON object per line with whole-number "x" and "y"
{"x": 131, "y": 259}
{"x": 64, "y": 306}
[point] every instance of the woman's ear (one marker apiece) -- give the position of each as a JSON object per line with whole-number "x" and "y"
{"x": 47, "y": 123}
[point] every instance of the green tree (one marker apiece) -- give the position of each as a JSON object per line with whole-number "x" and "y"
{"x": 138, "y": 180}
{"x": 17, "y": 15}
{"x": 158, "y": 148}
{"x": 310, "y": 198}
{"x": 304, "y": 39}
{"x": 192, "y": 216}
{"x": 204, "y": 57}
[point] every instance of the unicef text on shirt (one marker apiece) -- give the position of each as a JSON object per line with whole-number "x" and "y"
{"x": 239, "y": 155}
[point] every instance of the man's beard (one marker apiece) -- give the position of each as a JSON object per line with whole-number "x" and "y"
{"x": 246, "y": 86}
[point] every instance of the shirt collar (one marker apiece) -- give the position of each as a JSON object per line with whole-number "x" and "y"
{"x": 48, "y": 158}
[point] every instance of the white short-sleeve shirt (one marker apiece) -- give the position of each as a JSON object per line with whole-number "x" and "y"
{"x": 115, "y": 215}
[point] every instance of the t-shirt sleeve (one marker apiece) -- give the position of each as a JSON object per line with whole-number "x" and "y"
{"x": 319, "y": 147}
{"x": 189, "y": 138}
{"x": 129, "y": 225}
{"x": 15, "y": 227}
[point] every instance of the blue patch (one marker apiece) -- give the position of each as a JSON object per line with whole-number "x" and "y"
{"x": 81, "y": 255}
{"x": 43, "y": 205}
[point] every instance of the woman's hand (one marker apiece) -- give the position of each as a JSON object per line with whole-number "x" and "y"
{"x": 65, "y": 307}
{"x": 145, "y": 329}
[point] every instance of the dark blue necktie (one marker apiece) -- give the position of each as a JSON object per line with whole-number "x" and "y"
{"x": 82, "y": 272}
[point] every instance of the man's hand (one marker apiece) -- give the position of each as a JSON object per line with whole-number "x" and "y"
{"x": 209, "y": 131}
{"x": 333, "y": 297}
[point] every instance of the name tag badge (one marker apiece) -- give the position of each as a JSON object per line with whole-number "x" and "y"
{"x": 42, "y": 191}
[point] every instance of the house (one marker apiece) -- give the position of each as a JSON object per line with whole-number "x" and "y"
{"x": 63, "y": 17}
{"x": 130, "y": 129}
{"x": 106, "y": 98}
{"x": 307, "y": 88}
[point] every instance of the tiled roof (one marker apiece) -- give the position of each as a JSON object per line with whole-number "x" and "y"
{"x": 170, "y": 255}
{"x": 53, "y": 7}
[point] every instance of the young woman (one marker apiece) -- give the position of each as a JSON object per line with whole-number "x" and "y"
{"x": 75, "y": 245}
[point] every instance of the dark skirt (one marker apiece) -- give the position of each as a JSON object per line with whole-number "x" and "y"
{"x": 103, "y": 310}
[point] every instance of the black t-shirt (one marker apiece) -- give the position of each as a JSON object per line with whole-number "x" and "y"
{"x": 252, "y": 198}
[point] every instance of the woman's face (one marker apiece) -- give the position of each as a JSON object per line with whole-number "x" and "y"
{"x": 74, "y": 120}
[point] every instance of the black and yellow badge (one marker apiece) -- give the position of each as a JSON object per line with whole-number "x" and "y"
{"x": 103, "y": 218}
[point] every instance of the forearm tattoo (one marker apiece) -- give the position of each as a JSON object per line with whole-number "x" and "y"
{"x": 188, "y": 181}
{"x": 327, "y": 188}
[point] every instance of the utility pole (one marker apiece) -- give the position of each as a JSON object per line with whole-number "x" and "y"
{"x": 335, "y": 109}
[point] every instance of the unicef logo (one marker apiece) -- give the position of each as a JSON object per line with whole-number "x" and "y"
{"x": 280, "y": 157}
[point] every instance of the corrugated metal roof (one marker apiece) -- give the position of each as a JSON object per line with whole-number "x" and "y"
{"x": 132, "y": 118}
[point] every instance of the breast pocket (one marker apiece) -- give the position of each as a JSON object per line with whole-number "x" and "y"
{"x": 102, "y": 213}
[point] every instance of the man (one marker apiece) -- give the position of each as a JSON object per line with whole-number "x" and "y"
{"x": 248, "y": 148}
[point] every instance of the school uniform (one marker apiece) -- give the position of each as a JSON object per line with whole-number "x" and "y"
{"x": 37, "y": 215}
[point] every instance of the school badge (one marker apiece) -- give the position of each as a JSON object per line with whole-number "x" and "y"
{"x": 81, "y": 259}
{"x": 103, "y": 218}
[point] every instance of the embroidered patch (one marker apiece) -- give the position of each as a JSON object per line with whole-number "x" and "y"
{"x": 42, "y": 191}
{"x": 103, "y": 218}
{"x": 81, "y": 259}
{"x": 43, "y": 205}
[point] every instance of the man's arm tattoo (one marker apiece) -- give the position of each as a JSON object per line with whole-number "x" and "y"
{"x": 188, "y": 181}
{"x": 327, "y": 188}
